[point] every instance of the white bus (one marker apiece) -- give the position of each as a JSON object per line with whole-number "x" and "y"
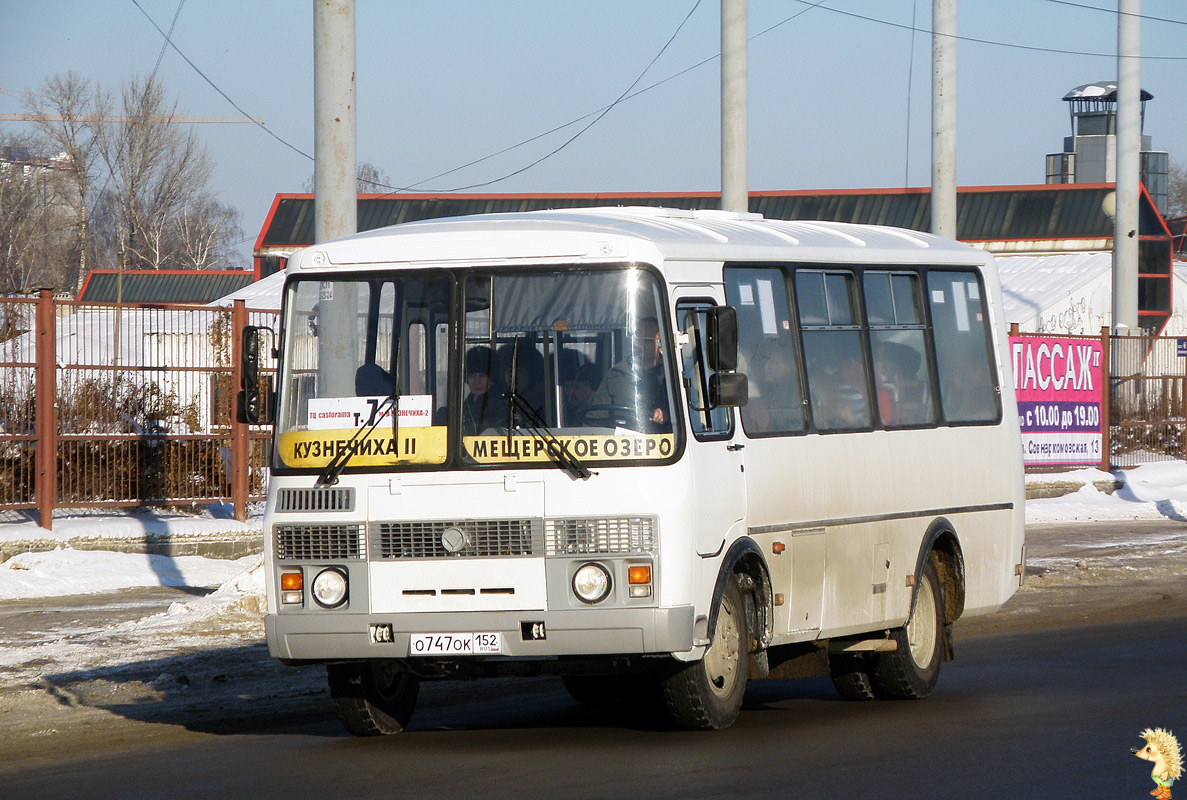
{"x": 650, "y": 451}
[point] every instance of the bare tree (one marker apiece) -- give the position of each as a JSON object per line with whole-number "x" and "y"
{"x": 1176, "y": 194}
{"x": 207, "y": 230}
{"x": 158, "y": 188}
{"x": 368, "y": 178}
{"x": 36, "y": 217}
{"x": 61, "y": 110}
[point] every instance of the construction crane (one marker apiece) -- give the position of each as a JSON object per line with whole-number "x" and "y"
{"x": 171, "y": 119}
{"x": 96, "y": 119}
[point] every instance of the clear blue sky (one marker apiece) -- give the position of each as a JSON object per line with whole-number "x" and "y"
{"x": 839, "y": 95}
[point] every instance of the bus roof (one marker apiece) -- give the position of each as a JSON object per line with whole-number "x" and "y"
{"x": 639, "y": 233}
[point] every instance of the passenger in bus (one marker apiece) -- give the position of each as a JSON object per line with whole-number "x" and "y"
{"x": 484, "y": 406}
{"x": 529, "y": 378}
{"x": 637, "y": 382}
{"x": 579, "y": 392}
{"x": 372, "y": 380}
{"x": 839, "y": 393}
{"x": 774, "y": 404}
{"x": 900, "y": 392}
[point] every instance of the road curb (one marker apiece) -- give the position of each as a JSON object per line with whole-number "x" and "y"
{"x": 217, "y": 544}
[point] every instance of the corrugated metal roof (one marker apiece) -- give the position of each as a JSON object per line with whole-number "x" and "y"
{"x": 164, "y": 286}
{"x": 1056, "y": 211}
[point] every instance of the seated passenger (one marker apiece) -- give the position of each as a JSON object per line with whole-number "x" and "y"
{"x": 529, "y": 380}
{"x": 776, "y": 408}
{"x": 371, "y": 380}
{"x": 484, "y": 406}
{"x": 579, "y": 392}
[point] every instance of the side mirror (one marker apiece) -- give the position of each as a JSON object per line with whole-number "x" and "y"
{"x": 728, "y": 389}
{"x": 249, "y": 375}
{"x": 721, "y": 339}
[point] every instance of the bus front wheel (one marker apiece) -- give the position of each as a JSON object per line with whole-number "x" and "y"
{"x": 373, "y": 698}
{"x": 707, "y": 694}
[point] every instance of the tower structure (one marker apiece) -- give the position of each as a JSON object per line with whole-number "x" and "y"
{"x": 1090, "y": 153}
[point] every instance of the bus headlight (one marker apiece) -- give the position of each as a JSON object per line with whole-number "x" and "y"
{"x": 591, "y": 583}
{"x": 329, "y": 588}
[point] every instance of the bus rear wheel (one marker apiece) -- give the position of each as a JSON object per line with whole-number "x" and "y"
{"x": 707, "y": 694}
{"x": 910, "y": 672}
{"x": 373, "y": 698}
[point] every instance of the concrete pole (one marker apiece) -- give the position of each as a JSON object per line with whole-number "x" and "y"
{"x": 734, "y": 192}
{"x": 335, "y": 201}
{"x": 1129, "y": 146}
{"x": 943, "y": 118}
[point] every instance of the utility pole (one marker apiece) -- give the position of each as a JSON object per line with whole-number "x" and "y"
{"x": 335, "y": 200}
{"x": 735, "y": 195}
{"x": 1129, "y": 146}
{"x": 943, "y": 118}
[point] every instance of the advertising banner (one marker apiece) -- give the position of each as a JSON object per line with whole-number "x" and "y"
{"x": 1058, "y": 382}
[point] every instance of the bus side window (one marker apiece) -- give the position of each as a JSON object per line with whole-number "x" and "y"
{"x": 766, "y": 351}
{"x": 833, "y": 352}
{"x": 898, "y": 339}
{"x": 968, "y": 388}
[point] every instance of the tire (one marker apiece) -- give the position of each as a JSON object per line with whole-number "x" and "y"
{"x": 850, "y": 673}
{"x": 910, "y": 672}
{"x": 707, "y": 694}
{"x": 373, "y": 698}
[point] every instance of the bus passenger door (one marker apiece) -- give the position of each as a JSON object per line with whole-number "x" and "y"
{"x": 717, "y": 461}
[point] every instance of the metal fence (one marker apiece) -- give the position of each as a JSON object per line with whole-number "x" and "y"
{"x": 126, "y": 405}
{"x": 1146, "y": 413}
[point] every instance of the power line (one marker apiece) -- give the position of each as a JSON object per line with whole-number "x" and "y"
{"x": 168, "y": 36}
{"x": 992, "y": 42}
{"x": 599, "y": 112}
{"x": 1116, "y": 12}
{"x": 596, "y": 119}
{"x": 235, "y": 105}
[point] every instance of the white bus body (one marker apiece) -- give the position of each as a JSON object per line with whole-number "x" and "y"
{"x": 871, "y": 467}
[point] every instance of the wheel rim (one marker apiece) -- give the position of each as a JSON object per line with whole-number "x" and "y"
{"x": 921, "y": 629}
{"x": 721, "y": 662}
{"x": 390, "y": 681}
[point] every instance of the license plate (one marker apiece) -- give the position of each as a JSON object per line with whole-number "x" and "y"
{"x": 455, "y": 644}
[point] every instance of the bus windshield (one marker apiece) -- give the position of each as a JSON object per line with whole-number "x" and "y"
{"x": 566, "y": 367}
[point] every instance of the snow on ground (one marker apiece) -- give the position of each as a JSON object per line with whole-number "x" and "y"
{"x": 1154, "y": 491}
{"x": 66, "y": 571}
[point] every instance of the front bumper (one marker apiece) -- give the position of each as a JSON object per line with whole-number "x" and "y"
{"x": 626, "y": 631}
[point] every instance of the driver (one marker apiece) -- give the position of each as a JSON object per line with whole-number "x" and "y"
{"x": 637, "y": 382}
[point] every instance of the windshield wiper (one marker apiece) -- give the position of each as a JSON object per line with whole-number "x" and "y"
{"x": 329, "y": 475}
{"x": 557, "y": 453}
{"x": 556, "y": 450}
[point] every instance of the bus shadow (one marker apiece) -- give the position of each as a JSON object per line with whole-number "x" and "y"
{"x": 243, "y": 691}
{"x": 237, "y": 690}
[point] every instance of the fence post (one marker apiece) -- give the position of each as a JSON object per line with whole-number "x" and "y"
{"x": 46, "y": 422}
{"x": 1106, "y": 394}
{"x": 240, "y": 444}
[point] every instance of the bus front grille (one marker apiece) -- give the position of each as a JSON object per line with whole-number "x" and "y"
{"x": 599, "y": 535}
{"x": 319, "y": 542}
{"x": 315, "y": 499}
{"x": 471, "y": 538}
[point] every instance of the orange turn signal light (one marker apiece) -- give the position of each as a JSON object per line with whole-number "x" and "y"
{"x": 292, "y": 581}
{"x": 639, "y": 574}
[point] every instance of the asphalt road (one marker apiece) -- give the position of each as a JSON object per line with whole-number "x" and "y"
{"x": 1042, "y": 714}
